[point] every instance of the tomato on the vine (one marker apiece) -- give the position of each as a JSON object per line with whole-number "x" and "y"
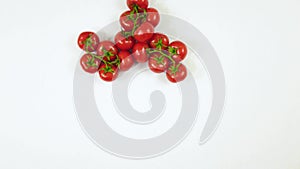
{"x": 108, "y": 50}
{"x": 123, "y": 42}
{"x": 136, "y": 42}
{"x": 108, "y": 73}
{"x": 140, "y": 5}
{"x": 88, "y": 41}
{"x": 127, "y": 60}
{"x": 158, "y": 63}
{"x": 126, "y": 22}
{"x": 159, "y": 41}
{"x": 139, "y": 52}
{"x": 89, "y": 63}
{"x": 144, "y": 32}
{"x": 176, "y": 73}
{"x": 178, "y": 50}
{"x": 153, "y": 16}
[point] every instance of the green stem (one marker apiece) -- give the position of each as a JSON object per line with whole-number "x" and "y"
{"x": 117, "y": 61}
{"x": 88, "y": 43}
{"x": 150, "y": 51}
{"x": 138, "y": 16}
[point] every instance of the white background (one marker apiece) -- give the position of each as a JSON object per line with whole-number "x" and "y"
{"x": 257, "y": 42}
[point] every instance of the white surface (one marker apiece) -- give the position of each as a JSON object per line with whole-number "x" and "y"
{"x": 257, "y": 42}
{"x": 139, "y": 93}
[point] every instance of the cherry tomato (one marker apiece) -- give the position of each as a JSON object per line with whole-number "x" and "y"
{"x": 108, "y": 50}
{"x": 124, "y": 43}
{"x": 90, "y": 64}
{"x": 158, "y": 63}
{"x": 125, "y": 21}
{"x": 153, "y": 16}
{"x": 88, "y": 41}
{"x": 139, "y": 52}
{"x": 108, "y": 73}
{"x": 159, "y": 41}
{"x": 140, "y": 5}
{"x": 127, "y": 60}
{"x": 177, "y": 73}
{"x": 178, "y": 50}
{"x": 144, "y": 32}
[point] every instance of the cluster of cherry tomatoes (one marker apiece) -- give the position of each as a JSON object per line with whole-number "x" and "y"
{"x": 137, "y": 42}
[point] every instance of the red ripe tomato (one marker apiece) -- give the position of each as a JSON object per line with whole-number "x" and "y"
{"x": 138, "y": 4}
{"x": 127, "y": 60}
{"x": 153, "y": 16}
{"x": 88, "y": 41}
{"x": 178, "y": 50}
{"x": 159, "y": 41}
{"x": 108, "y": 50}
{"x": 158, "y": 63}
{"x": 144, "y": 32}
{"x": 139, "y": 52}
{"x": 177, "y": 73}
{"x": 108, "y": 73}
{"x": 127, "y": 22}
{"x": 90, "y": 64}
{"x": 124, "y": 43}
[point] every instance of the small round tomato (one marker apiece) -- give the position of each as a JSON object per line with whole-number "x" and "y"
{"x": 159, "y": 41}
{"x": 88, "y": 41}
{"x": 127, "y": 60}
{"x": 139, "y": 52}
{"x": 140, "y": 5}
{"x": 144, "y": 32}
{"x": 158, "y": 63}
{"x": 124, "y": 43}
{"x": 126, "y": 21}
{"x": 176, "y": 73}
{"x": 153, "y": 16}
{"x": 108, "y": 50}
{"x": 89, "y": 63}
{"x": 178, "y": 50}
{"x": 108, "y": 73}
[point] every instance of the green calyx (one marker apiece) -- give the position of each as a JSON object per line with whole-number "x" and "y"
{"x": 88, "y": 43}
{"x": 108, "y": 65}
{"x": 173, "y": 50}
{"x": 174, "y": 69}
{"x": 159, "y": 45}
{"x": 107, "y": 54}
{"x": 108, "y": 69}
{"x": 159, "y": 60}
{"x": 91, "y": 62}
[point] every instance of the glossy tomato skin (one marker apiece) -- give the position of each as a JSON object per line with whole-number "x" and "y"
{"x": 144, "y": 32}
{"x": 108, "y": 50}
{"x": 153, "y": 16}
{"x": 126, "y": 23}
{"x": 108, "y": 74}
{"x": 179, "y": 51}
{"x": 159, "y": 41}
{"x": 178, "y": 76}
{"x": 89, "y": 64}
{"x": 142, "y": 4}
{"x": 158, "y": 63}
{"x": 124, "y": 43}
{"x": 127, "y": 60}
{"x": 88, "y": 41}
{"x": 139, "y": 52}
